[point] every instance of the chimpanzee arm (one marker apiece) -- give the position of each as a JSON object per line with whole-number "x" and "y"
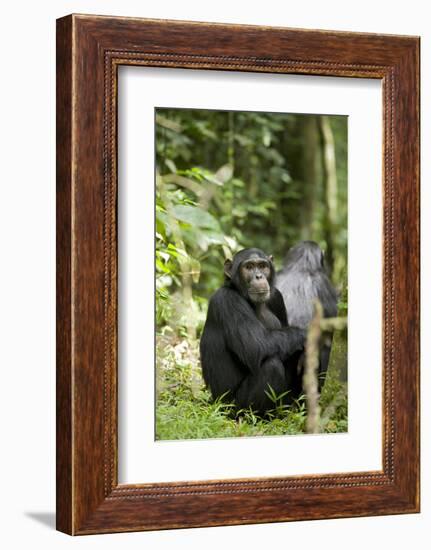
{"x": 244, "y": 334}
{"x": 327, "y": 295}
{"x": 276, "y": 305}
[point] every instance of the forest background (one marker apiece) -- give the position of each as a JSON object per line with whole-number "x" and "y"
{"x": 227, "y": 180}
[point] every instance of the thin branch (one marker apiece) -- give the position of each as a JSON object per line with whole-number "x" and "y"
{"x": 311, "y": 387}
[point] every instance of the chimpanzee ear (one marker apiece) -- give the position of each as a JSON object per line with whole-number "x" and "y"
{"x": 271, "y": 258}
{"x": 228, "y": 268}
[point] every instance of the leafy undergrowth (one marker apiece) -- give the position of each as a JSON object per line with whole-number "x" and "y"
{"x": 185, "y": 409}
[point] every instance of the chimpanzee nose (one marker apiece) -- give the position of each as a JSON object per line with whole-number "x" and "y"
{"x": 259, "y": 276}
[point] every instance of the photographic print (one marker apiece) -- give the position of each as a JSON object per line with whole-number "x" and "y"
{"x": 251, "y": 274}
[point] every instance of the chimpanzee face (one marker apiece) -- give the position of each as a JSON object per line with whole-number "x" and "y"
{"x": 254, "y": 274}
{"x": 251, "y": 273}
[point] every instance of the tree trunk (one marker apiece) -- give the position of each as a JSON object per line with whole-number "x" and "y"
{"x": 330, "y": 187}
{"x": 310, "y": 175}
{"x": 310, "y": 381}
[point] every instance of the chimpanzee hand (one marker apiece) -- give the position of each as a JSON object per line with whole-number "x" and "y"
{"x": 293, "y": 341}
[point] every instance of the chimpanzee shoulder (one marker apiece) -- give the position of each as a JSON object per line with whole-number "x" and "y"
{"x": 226, "y": 304}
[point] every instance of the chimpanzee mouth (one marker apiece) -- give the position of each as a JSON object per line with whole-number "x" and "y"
{"x": 259, "y": 295}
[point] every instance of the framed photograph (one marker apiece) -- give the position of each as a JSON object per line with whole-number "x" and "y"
{"x": 237, "y": 274}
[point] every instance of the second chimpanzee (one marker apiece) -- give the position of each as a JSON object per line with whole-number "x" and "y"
{"x": 302, "y": 280}
{"x": 246, "y": 342}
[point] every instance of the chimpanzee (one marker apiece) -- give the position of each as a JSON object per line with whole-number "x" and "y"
{"x": 302, "y": 280}
{"x": 246, "y": 341}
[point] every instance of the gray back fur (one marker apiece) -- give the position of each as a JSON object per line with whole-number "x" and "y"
{"x": 302, "y": 280}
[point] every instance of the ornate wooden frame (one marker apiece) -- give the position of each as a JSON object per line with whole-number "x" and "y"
{"x": 89, "y": 51}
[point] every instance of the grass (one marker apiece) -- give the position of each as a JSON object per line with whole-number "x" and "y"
{"x": 185, "y": 409}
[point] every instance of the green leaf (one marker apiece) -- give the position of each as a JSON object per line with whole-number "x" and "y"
{"x": 195, "y": 216}
{"x": 224, "y": 173}
{"x": 162, "y": 267}
{"x": 165, "y": 257}
{"x": 171, "y": 165}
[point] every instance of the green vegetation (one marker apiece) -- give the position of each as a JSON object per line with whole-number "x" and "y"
{"x": 225, "y": 181}
{"x": 185, "y": 409}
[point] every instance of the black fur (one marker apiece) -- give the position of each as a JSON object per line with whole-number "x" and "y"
{"x": 242, "y": 353}
{"x": 303, "y": 280}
